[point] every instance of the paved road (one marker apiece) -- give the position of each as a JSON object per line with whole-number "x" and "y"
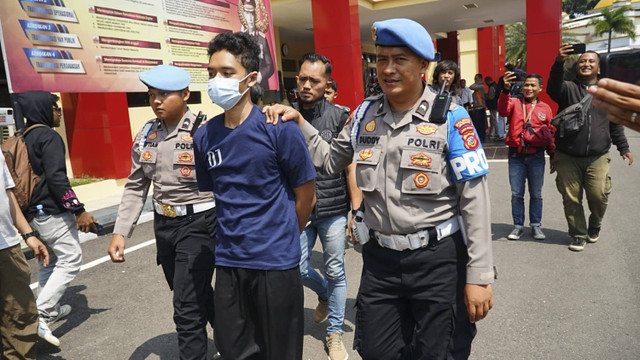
{"x": 550, "y": 303}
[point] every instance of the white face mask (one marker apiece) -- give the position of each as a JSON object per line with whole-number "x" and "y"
{"x": 225, "y": 92}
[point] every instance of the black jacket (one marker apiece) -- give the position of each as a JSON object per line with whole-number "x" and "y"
{"x": 47, "y": 158}
{"x": 597, "y": 134}
{"x": 331, "y": 190}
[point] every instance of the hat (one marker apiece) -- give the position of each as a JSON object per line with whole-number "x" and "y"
{"x": 404, "y": 32}
{"x": 166, "y": 77}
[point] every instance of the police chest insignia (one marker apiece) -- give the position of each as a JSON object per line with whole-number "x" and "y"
{"x": 470, "y": 141}
{"x": 186, "y": 137}
{"x": 185, "y": 157}
{"x": 421, "y": 179}
{"x": 423, "y": 107}
{"x": 427, "y": 129}
{"x": 542, "y": 116}
{"x": 146, "y": 155}
{"x": 370, "y": 126}
{"x": 421, "y": 159}
{"x": 374, "y": 33}
{"x": 365, "y": 154}
{"x": 152, "y": 136}
{"x": 185, "y": 171}
{"x": 460, "y": 123}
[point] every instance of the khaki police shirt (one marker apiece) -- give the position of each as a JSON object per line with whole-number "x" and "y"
{"x": 165, "y": 159}
{"x": 406, "y": 182}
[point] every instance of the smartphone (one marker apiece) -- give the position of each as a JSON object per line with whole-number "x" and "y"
{"x": 622, "y": 66}
{"x": 578, "y": 49}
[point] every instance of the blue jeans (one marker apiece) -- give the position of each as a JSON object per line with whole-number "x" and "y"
{"x": 501, "y": 127}
{"x": 530, "y": 168}
{"x": 333, "y": 287}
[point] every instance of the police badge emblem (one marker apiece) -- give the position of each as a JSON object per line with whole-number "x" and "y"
{"x": 374, "y": 33}
{"x": 421, "y": 180}
{"x": 365, "y": 154}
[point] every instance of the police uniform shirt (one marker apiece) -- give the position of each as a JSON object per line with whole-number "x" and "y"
{"x": 409, "y": 178}
{"x": 163, "y": 156}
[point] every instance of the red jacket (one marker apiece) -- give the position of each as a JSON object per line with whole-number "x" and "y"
{"x": 512, "y": 108}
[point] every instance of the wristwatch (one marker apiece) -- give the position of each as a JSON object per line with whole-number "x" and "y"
{"x": 28, "y": 235}
{"x": 353, "y": 212}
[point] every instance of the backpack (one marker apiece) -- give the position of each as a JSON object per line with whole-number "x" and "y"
{"x": 16, "y": 155}
{"x": 571, "y": 120}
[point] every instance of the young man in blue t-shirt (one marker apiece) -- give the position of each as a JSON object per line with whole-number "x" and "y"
{"x": 263, "y": 181}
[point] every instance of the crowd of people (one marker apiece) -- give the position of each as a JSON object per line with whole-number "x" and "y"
{"x": 407, "y": 165}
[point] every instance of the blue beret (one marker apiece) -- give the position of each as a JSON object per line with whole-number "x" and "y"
{"x": 404, "y": 32}
{"x": 166, "y": 77}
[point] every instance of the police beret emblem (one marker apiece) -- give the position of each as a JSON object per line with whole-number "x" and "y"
{"x": 374, "y": 33}
{"x": 370, "y": 126}
{"x": 365, "y": 154}
{"x": 421, "y": 180}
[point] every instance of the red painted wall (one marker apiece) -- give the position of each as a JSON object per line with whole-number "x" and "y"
{"x": 491, "y": 51}
{"x": 336, "y": 33}
{"x": 449, "y": 48}
{"x": 98, "y": 134}
{"x": 544, "y": 34}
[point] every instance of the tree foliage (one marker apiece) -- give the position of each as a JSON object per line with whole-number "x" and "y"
{"x": 516, "y": 44}
{"x": 614, "y": 21}
{"x": 573, "y": 7}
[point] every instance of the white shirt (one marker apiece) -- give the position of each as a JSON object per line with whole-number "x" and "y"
{"x": 466, "y": 95}
{"x": 9, "y": 235}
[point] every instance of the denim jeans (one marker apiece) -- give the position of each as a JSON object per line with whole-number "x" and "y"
{"x": 59, "y": 233}
{"x": 501, "y": 127}
{"x": 333, "y": 287}
{"x": 529, "y": 168}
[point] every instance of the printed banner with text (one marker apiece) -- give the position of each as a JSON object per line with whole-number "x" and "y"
{"x": 102, "y": 45}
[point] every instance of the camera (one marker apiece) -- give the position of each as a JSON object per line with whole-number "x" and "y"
{"x": 518, "y": 83}
{"x": 6, "y": 116}
{"x": 622, "y": 66}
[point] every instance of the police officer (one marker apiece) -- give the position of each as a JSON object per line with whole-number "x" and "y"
{"x": 426, "y": 203}
{"x": 185, "y": 219}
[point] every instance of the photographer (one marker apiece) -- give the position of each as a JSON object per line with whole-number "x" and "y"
{"x": 527, "y": 115}
{"x": 582, "y": 160}
{"x": 621, "y": 100}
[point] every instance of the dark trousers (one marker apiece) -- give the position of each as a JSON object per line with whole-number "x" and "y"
{"x": 259, "y": 314}
{"x": 479, "y": 119}
{"x": 186, "y": 252}
{"x": 19, "y": 314}
{"x": 407, "y": 305}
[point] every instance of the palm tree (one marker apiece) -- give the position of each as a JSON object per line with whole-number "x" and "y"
{"x": 516, "y": 44}
{"x": 614, "y": 21}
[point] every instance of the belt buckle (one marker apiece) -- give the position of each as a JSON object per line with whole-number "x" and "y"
{"x": 168, "y": 210}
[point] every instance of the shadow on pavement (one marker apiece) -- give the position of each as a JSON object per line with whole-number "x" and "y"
{"x": 499, "y": 232}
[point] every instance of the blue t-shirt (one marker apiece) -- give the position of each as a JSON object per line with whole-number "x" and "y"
{"x": 252, "y": 171}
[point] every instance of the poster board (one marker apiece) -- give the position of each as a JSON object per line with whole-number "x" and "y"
{"x": 102, "y": 45}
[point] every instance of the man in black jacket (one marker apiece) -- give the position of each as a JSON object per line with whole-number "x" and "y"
{"x": 329, "y": 217}
{"x": 582, "y": 160}
{"x": 63, "y": 214}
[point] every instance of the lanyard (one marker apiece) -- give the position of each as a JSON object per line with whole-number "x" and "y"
{"x": 527, "y": 117}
